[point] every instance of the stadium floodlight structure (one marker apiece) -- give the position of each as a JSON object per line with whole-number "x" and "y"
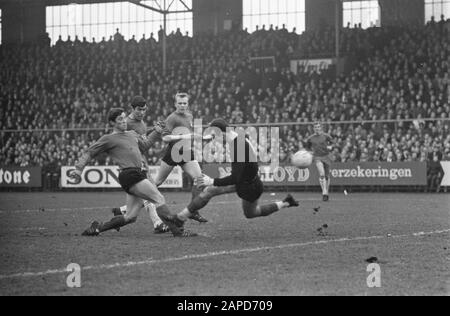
{"x": 163, "y": 7}
{"x": 338, "y": 25}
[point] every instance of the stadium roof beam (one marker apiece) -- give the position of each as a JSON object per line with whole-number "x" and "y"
{"x": 163, "y": 9}
{"x": 147, "y": 6}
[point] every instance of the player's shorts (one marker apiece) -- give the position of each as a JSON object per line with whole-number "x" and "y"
{"x": 131, "y": 176}
{"x": 169, "y": 160}
{"x": 326, "y": 160}
{"x": 250, "y": 191}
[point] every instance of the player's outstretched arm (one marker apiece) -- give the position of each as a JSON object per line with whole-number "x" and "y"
{"x": 205, "y": 181}
{"x": 83, "y": 161}
{"x": 76, "y": 175}
{"x": 176, "y": 138}
{"x": 79, "y": 167}
{"x": 100, "y": 146}
{"x": 145, "y": 143}
{"x": 190, "y": 136}
{"x": 237, "y": 170}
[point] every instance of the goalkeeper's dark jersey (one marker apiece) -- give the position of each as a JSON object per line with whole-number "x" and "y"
{"x": 244, "y": 165}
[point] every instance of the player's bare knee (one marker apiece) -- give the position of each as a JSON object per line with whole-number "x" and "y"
{"x": 160, "y": 199}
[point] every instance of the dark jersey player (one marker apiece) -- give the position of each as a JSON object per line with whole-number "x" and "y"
{"x": 125, "y": 148}
{"x": 244, "y": 180}
{"x": 321, "y": 144}
{"x": 135, "y": 122}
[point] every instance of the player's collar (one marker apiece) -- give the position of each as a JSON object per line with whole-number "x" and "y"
{"x": 182, "y": 113}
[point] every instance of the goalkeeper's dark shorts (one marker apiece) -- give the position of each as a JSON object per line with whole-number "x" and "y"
{"x": 250, "y": 191}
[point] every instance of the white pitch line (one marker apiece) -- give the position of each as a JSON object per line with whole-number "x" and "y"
{"x": 57, "y": 210}
{"x": 98, "y": 208}
{"x": 151, "y": 261}
{"x": 26, "y": 229}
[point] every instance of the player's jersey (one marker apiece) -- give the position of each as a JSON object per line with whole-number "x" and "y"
{"x": 244, "y": 165}
{"x": 319, "y": 143}
{"x": 138, "y": 126}
{"x": 124, "y": 148}
{"x": 176, "y": 120}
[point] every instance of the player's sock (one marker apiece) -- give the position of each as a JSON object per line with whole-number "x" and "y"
{"x": 327, "y": 185}
{"x": 197, "y": 203}
{"x": 123, "y": 209}
{"x": 282, "y": 205}
{"x": 184, "y": 215}
{"x": 163, "y": 210}
{"x": 266, "y": 210}
{"x": 151, "y": 209}
{"x": 114, "y": 223}
{"x": 323, "y": 183}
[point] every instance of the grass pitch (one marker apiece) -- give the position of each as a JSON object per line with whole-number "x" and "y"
{"x": 289, "y": 253}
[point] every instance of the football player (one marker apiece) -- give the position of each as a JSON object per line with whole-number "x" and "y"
{"x": 321, "y": 145}
{"x": 178, "y": 134}
{"x": 244, "y": 180}
{"x": 135, "y": 122}
{"x": 125, "y": 148}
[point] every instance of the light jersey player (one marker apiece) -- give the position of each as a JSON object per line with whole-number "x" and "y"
{"x": 244, "y": 180}
{"x": 125, "y": 148}
{"x": 136, "y": 123}
{"x": 321, "y": 145}
{"x": 178, "y": 134}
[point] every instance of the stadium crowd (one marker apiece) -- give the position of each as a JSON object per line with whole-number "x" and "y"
{"x": 400, "y": 74}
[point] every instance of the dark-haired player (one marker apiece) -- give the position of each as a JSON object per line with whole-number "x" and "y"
{"x": 125, "y": 148}
{"x": 244, "y": 179}
{"x": 321, "y": 145}
{"x": 135, "y": 122}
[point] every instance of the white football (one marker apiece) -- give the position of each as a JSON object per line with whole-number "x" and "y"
{"x": 302, "y": 159}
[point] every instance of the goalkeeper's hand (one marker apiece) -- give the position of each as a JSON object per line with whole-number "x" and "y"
{"x": 205, "y": 181}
